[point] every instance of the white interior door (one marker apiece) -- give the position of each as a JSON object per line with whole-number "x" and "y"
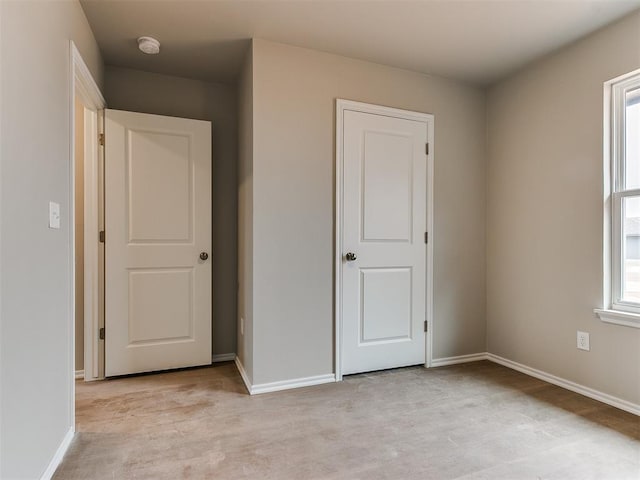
{"x": 384, "y": 220}
{"x": 157, "y": 224}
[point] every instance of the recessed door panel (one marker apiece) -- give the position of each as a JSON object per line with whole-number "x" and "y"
{"x": 160, "y": 305}
{"x": 386, "y": 304}
{"x": 387, "y": 161}
{"x": 160, "y": 180}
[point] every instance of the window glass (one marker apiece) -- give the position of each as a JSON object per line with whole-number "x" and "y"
{"x": 632, "y": 139}
{"x": 631, "y": 250}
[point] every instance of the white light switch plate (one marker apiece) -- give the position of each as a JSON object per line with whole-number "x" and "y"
{"x": 54, "y": 215}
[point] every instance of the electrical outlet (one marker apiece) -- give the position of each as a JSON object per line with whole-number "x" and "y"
{"x": 583, "y": 341}
{"x": 241, "y": 325}
{"x": 54, "y": 215}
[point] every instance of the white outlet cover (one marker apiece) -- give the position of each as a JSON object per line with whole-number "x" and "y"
{"x": 583, "y": 341}
{"x": 54, "y": 215}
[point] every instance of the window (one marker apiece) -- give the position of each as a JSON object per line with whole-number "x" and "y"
{"x": 622, "y": 134}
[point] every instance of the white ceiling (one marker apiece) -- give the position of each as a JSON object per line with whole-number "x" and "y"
{"x": 477, "y": 41}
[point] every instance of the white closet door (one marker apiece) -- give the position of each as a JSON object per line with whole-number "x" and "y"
{"x": 383, "y": 238}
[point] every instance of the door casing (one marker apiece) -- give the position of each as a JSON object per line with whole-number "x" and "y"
{"x": 342, "y": 106}
{"x": 85, "y": 88}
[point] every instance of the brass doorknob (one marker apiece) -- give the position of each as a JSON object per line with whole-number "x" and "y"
{"x": 350, "y": 256}
{"x": 204, "y": 256}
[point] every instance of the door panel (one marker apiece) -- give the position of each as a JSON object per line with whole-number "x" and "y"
{"x": 165, "y": 319}
{"x": 386, "y": 304}
{"x": 387, "y": 191}
{"x": 384, "y": 220}
{"x": 157, "y": 221}
{"x": 160, "y": 178}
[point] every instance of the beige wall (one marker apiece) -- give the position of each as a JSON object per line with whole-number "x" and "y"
{"x": 294, "y": 93}
{"x": 144, "y": 92}
{"x": 36, "y": 361}
{"x": 544, "y": 230}
{"x": 245, "y": 214}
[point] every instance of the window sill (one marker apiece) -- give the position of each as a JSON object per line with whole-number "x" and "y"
{"x": 618, "y": 317}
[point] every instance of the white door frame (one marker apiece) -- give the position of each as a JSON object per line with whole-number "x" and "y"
{"x": 341, "y": 107}
{"x": 84, "y": 86}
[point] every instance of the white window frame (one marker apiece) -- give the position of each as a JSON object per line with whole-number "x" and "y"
{"x": 616, "y": 310}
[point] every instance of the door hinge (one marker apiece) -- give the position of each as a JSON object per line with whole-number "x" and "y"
{"x": 426, "y": 326}
{"x": 101, "y": 333}
{"x": 427, "y": 149}
{"x": 426, "y": 237}
{"x": 101, "y": 236}
{"x": 101, "y": 139}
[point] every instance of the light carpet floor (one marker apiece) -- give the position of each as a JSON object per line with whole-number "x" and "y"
{"x": 471, "y": 421}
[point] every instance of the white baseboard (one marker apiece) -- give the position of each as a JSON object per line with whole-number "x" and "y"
{"x": 547, "y": 377}
{"x": 243, "y": 374}
{"x": 79, "y": 374}
{"x": 223, "y": 357}
{"x": 294, "y": 383}
{"x": 440, "y": 362}
{"x": 472, "y": 357}
{"x": 282, "y": 385}
{"x": 569, "y": 385}
{"x": 59, "y": 455}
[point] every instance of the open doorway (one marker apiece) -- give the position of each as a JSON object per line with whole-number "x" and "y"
{"x": 159, "y": 313}
{"x": 87, "y": 104}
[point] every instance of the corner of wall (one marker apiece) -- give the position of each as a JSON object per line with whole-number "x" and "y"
{"x": 487, "y": 160}
{"x": 545, "y": 241}
{"x": 245, "y": 217}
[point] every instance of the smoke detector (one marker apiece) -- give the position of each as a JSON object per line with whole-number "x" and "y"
{"x": 149, "y": 45}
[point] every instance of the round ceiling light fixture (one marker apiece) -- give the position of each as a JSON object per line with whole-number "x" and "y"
{"x": 149, "y": 45}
